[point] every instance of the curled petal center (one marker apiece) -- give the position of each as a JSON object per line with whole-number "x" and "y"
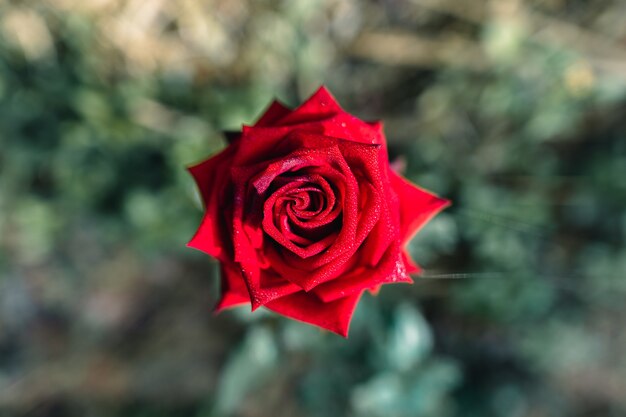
{"x": 300, "y": 214}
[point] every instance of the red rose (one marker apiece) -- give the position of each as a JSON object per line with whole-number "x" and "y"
{"x": 304, "y": 213}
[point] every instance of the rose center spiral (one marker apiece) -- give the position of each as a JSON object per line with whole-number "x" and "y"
{"x": 302, "y": 211}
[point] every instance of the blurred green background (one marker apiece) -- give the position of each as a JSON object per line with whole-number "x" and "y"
{"x": 514, "y": 110}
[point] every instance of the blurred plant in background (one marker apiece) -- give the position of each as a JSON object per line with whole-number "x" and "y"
{"x": 514, "y": 110}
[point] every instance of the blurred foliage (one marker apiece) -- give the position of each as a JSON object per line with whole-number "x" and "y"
{"x": 514, "y": 110}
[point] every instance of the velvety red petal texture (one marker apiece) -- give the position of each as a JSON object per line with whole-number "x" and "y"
{"x": 305, "y": 214}
{"x": 334, "y": 316}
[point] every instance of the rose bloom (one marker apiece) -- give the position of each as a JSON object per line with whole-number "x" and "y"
{"x": 304, "y": 213}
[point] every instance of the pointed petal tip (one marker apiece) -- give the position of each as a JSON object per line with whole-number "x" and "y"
{"x": 194, "y": 167}
{"x": 444, "y": 202}
{"x": 278, "y": 104}
{"x": 334, "y": 317}
{"x": 195, "y": 243}
{"x": 200, "y": 164}
{"x": 324, "y": 97}
{"x": 343, "y": 332}
{"x": 437, "y": 205}
{"x": 322, "y": 89}
{"x": 411, "y": 266}
{"x": 341, "y": 329}
{"x": 272, "y": 114}
{"x": 417, "y": 205}
{"x": 257, "y": 297}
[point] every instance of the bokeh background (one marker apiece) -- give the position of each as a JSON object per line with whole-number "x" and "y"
{"x": 514, "y": 110}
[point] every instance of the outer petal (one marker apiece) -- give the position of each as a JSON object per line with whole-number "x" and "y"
{"x": 391, "y": 269}
{"x": 417, "y": 206}
{"x": 348, "y": 127}
{"x": 258, "y": 142}
{"x": 273, "y": 114}
{"x": 378, "y": 134}
{"x": 234, "y": 290}
{"x": 211, "y": 177}
{"x": 322, "y": 114}
{"x": 319, "y": 106}
{"x": 258, "y": 287}
{"x": 334, "y": 316}
{"x": 265, "y": 286}
{"x": 411, "y": 266}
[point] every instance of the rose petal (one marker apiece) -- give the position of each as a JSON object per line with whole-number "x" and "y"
{"x": 411, "y": 266}
{"x": 272, "y": 115}
{"x": 319, "y": 106}
{"x": 328, "y": 210}
{"x": 347, "y": 127}
{"x": 386, "y": 232}
{"x": 391, "y": 269}
{"x": 334, "y": 316}
{"x": 259, "y": 144}
{"x": 264, "y": 140}
{"x": 287, "y": 239}
{"x": 211, "y": 177}
{"x": 322, "y": 114}
{"x": 265, "y": 286}
{"x": 296, "y": 161}
{"x": 417, "y": 206}
{"x": 292, "y": 202}
{"x": 234, "y": 290}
